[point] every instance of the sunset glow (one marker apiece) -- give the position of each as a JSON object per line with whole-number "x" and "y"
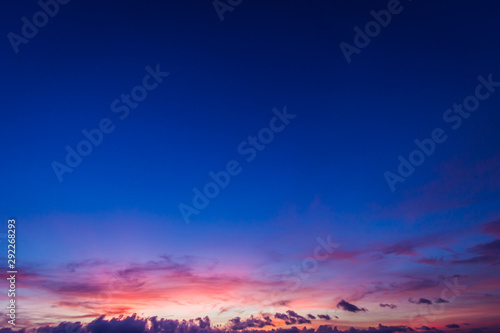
{"x": 232, "y": 166}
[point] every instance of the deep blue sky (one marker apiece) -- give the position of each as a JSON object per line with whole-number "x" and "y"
{"x": 353, "y": 120}
{"x": 225, "y": 79}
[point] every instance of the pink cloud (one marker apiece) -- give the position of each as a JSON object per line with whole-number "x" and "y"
{"x": 492, "y": 228}
{"x": 458, "y": 184}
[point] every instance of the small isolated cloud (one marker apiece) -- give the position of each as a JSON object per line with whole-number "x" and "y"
{"x": 324, "y": 316}
{"x": 346, "y": 306}
{"x": 453, "y": 326}
{"x": 390, "y": 306}
{"x": 420, "y": 301}
{"x": 311, "y": 316}
{"x": 284, "y": 303}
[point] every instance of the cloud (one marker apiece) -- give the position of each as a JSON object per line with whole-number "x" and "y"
{"x": 397, "y": 287}
{"x": 382, "y": 329}
{"x": 324, "y": 317}
{"x": 346, "y": 306}
{"x": 99, "y": 287}
{"x": 391, "y": 306}
{"x": 237, "y": 324}
{"x": 135, "y": 324}
{"x": 432, "y": 261}
{"x": 299, "y": 319}
{"x": 285, "y": 303}
{"x": 420, "y": 301}
{"x": 310, "y": 316}
{"x": 459, "y": 183}
{"x": 130, "y": 324}
{"x": 281, "y": 316}
{"x": 203, "y": 323}
{"x": 440, "y": 300}
{"x": 492, "y": 228}
{"x": 224, "y": 309}
{"x": 489, "y": 249}
{"x": 74, "y": 266}
{"x": 409, "y": 246}
{"x": 486, "y": 253}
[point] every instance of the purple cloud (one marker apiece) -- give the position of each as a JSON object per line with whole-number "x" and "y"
{"x": 440, "y": 300}
{"x": 238, "y": 324}
{"x": 420, "y": 301}
{"x": 453, "y": 326}
{"x": 487, "y": 253}
{"x": 346, "y": 306}
{"x": 492, "y": 228}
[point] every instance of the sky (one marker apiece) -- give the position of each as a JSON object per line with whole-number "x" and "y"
{"x": 236, "y": 164}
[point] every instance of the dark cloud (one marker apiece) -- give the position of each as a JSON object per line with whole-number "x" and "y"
{"x": 203, "y": 323}
{"x": 420, "y": 301}
{"x": 453, "y": 326}
{"x": 298, "y": 318}
{"x": 390, "y": 306}
{"x": 488, "y": 253}
{"x": 130, "y": 324}
{"x": 238, "y": 324}
{"x": 63, "y": 327}
{"x": 292, "y": 314}
{"x": 324, "y": 317}
{"x": 281, "y": 316}
{"x": 135, "y": 324}
{"x": 381, "y": 329}
{"x": 346, "y": 306}
{"x": 311, "y": 316}
{"x": 440, "y": 300}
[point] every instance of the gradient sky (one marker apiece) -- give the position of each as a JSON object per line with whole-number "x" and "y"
{"x": 110, "y": 238}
